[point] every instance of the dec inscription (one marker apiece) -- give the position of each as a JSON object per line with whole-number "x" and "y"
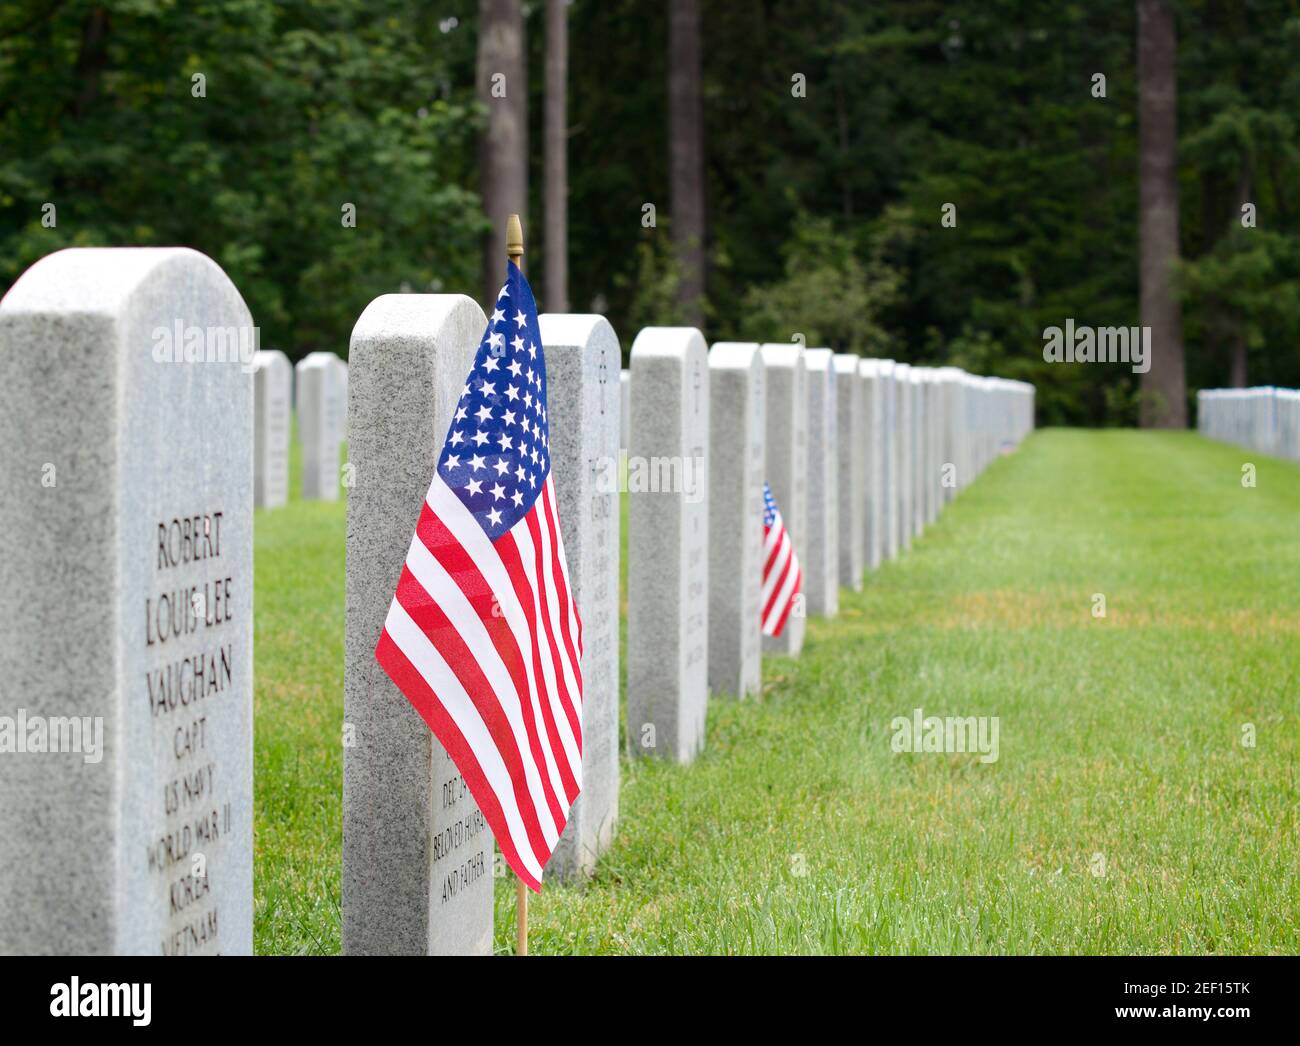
{"x": 190, "y": 669}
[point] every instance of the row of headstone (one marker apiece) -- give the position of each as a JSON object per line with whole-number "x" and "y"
{"x": 1266, "y": 419}
{"x": 318, "y": 385}
{"x": 860, "y": 455}
{"x": 133, "y": 832}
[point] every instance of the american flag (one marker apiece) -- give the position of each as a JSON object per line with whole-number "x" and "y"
{"x": 483, "y": 636}
{"x": 782, "y": 579}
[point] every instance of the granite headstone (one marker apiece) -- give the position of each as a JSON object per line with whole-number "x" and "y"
{"x": 126, "y": 593}
{"x": 417, "y": 851}
{"x": 668, "y": 529}
{"x": 737, "y": 401}
{"x": 272, "y": 396}
{"x": 786, "y": 444}
{"x": 583, "y": 406}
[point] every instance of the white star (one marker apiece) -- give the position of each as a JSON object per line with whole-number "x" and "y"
{"x": 502, "y": 466}
{"x": 456, "y": 438}
{"x": 487, "y": 388}
{"x": 484, "y": 413}
{"x": 495, "y": 339}
{"x": 453, "y": 461}
{"x": 515, "y": 367}
{"x": 477, "y": 462}
{"x": 532, "y": 351}
{"x": 506, "y": 442}
{"x": 528, "y": 398}
{"x": 512, "y": 392}
{"x": 494, "y": 517}
{"x": 505, "y": 292}
{"x": 460, "y": 414}
{"x": 509, "y": 417}
{"x": 517, "y": 498}
{"x": 519, "y": 473}
{"x": 497, "y": 316}
{"x": 498, "y": 492}
{"x": 520, "y": 318}
{"x": 480, "y": 437}
{"x": 518, "y": 343}
{"x": 490, "y": 364}
{"x": 474, "y": 486}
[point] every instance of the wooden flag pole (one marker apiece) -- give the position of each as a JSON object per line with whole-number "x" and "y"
{"x": 521, "y": 911}
{"x": 515, "y": 252}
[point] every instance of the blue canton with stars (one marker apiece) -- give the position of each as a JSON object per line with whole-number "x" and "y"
{"x": 769, "y": 506}
{"x": 497, "y": 454}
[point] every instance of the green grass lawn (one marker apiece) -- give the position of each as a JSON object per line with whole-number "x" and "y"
{"x": 799, "y": 830}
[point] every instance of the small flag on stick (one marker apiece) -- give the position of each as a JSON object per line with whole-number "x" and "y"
{"x": 483, "y": 636}
{"x": 782, "y": 580}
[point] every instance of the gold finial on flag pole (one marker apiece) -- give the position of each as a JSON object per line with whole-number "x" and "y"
{"x": 515, "y": 252}
{"x": 515, "y": 240}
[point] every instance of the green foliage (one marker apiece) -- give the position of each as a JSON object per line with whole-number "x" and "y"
{"x": 824, "y": 207}
{"x": 827, "y": 293}
{"x": 651, "y": 293}
{"x": 305, "y": 107}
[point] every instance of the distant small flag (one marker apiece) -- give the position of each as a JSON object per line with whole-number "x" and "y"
{"x": 782, "y": 579}
{"x": 483, "y": 636}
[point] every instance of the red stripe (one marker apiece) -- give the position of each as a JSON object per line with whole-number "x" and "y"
{"x": 508, "y": 549}
{"x": 409, "y": 681}
{"x": 454, "y": 558}
{"x": 563, "y": 604}
{"x": 554, "y": 509}
{"x": 789, "y": 605}
{"x": 776, "y": 589}
{"x": 771, "y": 559}
{"x": 431, "y": 620}
{"x": 566, "y": 701}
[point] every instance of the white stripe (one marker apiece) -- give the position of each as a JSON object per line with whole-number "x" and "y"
{"x": 555, "y": 610}
{"x": 774, "y": 575}
{"x": 417, "y": 649}
{"x": 440, "y": 585}
{"x": 527, "y": 554}
{"x": 547, "y": 683}
{"x": 574, "y": 624}
{"x": 783, "y": 600}
{"x": 466, "y": 530}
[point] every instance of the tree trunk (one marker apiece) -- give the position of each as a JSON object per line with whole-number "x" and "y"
{"x": 1237, "y": 377}
{"x": 502, "y": 84}
{"x": 1164, "y": 386}
{"x": 92, "y": 59}
{"x": 557, "y": 160}
{"x": 686, "y": 155}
